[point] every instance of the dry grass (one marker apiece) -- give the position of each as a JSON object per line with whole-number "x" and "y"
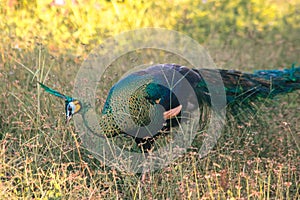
{"x": 42, "y": 158}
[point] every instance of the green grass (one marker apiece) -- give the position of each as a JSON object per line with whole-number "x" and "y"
{"x": 42, "y": 158}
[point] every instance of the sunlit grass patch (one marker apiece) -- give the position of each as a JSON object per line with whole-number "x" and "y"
{"x": 42, "y": 158}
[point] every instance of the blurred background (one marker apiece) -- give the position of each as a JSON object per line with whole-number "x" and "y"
{"x": 71, "y": 26}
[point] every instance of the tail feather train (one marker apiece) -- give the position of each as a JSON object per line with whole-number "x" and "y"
{"x": 261, "y": 84}
{"x": 244, "y": 89}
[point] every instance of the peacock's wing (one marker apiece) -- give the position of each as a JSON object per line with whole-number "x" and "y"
{"x": 137, "y": 102}
{"x": 173, "y": 85}
{"x": 129, "y": 109}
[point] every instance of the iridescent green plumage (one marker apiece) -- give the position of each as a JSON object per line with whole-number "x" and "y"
{"x": 137, "y": 103}
{"x": 54, "y": 92}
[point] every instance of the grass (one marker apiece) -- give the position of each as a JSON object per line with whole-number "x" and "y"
{"x": 42, "y": 158}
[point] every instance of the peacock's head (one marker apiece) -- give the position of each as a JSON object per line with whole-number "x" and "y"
{"x": 73, "y": 106}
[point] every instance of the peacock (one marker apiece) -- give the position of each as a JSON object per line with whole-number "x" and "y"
{"x": 158, "y": 96}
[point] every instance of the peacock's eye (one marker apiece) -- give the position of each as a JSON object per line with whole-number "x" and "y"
{"x": 70, "y": 108}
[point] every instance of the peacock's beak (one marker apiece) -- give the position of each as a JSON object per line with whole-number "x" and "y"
{"x": 68, "y": 116}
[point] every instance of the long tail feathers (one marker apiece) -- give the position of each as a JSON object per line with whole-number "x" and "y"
{"x": 283, "y": 81}
{"x": 261, "y": 84}
{"x": 244, "y": 90}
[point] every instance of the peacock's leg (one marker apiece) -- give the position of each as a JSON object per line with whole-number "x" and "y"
{"x": 146, "y": 144}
